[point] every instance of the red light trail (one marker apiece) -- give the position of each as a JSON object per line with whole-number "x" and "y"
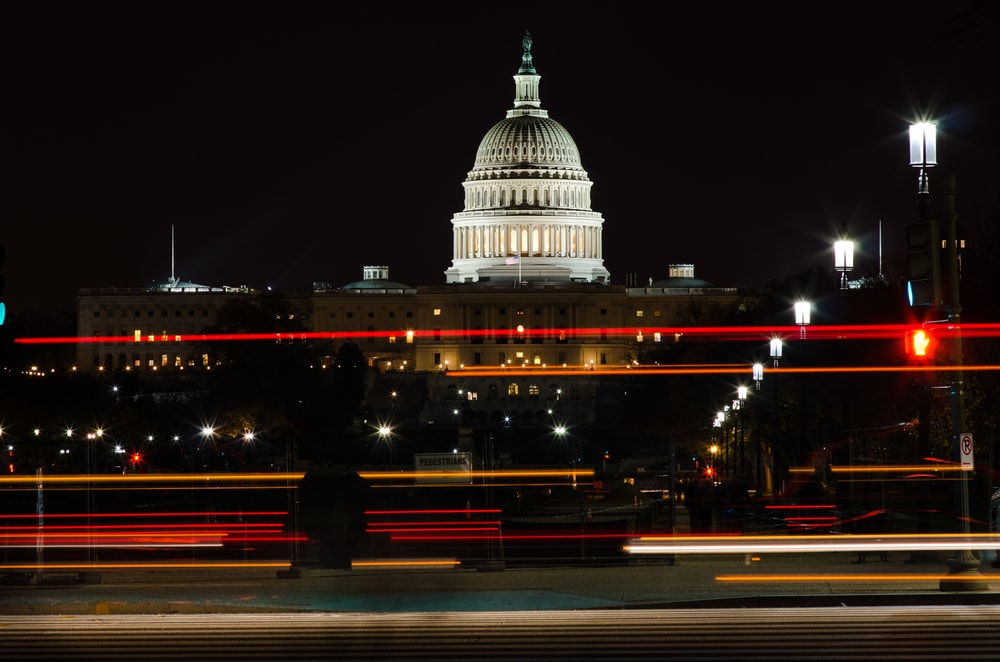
{"x": 803, "y": 333}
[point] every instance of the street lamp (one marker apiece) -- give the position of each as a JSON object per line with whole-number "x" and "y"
{"x": 758, "y": 377}
{"x": 721, "y": 418}
{"x": 803, "y": 310}
{"x": 843, "y": 259}
{"x": 738, "y": 404}
{"x": 923, "y": 151}
{"x": 923, "y": 239}
{"x": 776, "y": 439}
{"x": 964, "y": 566}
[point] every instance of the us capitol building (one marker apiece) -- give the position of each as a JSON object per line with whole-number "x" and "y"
{"x": 527, "y": 292}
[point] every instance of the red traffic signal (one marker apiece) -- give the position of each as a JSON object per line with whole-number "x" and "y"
{"x": 919, "y": 343}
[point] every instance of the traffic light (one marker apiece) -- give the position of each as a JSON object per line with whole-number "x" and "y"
{"x": 920, "y": 344}
{"x": 924, "y": 285}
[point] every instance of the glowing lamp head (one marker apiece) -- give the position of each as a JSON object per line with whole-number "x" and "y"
{"x": 923, "y": 144}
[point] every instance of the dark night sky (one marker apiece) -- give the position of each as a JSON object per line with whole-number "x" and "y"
{"x": 293, "y": 142}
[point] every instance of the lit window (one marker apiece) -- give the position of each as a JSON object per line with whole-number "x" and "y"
{"x": 638, "y": 313}
{"x": 437, "y": 312}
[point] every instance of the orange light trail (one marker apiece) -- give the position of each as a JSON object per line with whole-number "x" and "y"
{"x": 206, "y": 479}
{"x": 404, "y": 563}
{"x": 887, "y": 577}
{"x": 51, "y": 567}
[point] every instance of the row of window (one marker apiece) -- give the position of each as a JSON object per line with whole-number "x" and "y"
{"x": 534, "y": 392}
{"x": 152, "y": 313}
{"x": 350, "y": 314}
{"x": 519, "y": 359}
{"x": 436, "y": 312}
{"x": 138, "y": 361}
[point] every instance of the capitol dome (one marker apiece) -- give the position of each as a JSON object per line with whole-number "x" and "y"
{"x": 528, "y": 140}
{"x": 527, "y": 214}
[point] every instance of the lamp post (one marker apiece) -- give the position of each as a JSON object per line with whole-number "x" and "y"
{"x": 738, "y": 404}
{"x": 758, "y": 377}
{"x": 843, "y": 259}
{"x": 777, "y": 473}
{"x": 723, "y": 446}
{"x": 91, "y": 439}
{"x": 803, "y": 312}
{"x": 963, "y": 567}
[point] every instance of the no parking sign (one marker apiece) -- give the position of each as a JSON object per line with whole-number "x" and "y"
{"x": 965, "y": 448}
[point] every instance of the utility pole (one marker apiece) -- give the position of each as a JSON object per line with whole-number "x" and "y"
{"x": 963, "y": 572}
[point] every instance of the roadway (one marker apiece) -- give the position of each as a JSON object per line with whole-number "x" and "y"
{"x": 694, "y": 580}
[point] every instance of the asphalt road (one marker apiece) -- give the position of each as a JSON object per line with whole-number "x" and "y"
{"x": 777, "y": 580}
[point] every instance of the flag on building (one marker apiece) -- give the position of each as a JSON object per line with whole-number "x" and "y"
{"x": 511, "y": 260}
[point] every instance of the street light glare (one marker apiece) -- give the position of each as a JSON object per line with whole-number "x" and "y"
{"x": 923, "y": 144}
